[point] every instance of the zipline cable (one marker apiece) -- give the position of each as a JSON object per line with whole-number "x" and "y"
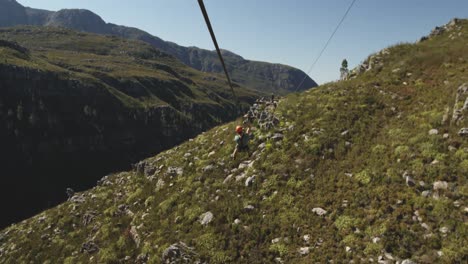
{"x": 326, "y": 45}
{"x": 213, "y": 37}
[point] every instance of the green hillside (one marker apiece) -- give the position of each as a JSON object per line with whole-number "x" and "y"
{"x": 365, "y": 170}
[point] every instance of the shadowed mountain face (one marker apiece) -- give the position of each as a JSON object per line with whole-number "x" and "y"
{"x": 263, "y": 76}
{"x": 75, "y": 106}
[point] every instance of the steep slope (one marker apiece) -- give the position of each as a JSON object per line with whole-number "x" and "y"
{"x": 365, "y": 170}
{"x": 83, "y": 105}
{"x": 262, "y": 76}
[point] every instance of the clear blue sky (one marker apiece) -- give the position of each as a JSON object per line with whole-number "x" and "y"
{"x": 291, "y": 32}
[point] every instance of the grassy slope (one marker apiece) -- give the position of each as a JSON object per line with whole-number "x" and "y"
{"x": 97, "y": 58}
{"x": 371, "y": 212}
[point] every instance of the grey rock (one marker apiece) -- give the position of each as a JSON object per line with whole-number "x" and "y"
{"x": 179, "y": 253}
{"x": 319, "y": 211}
{"x": 426, "y": 193}
{"x": 262, "y": 146}
{"x": 143, "y": 258}
{"x": 463, "y": 132}
{"x": 303, "y": 251}
{"x": 440, "y": 185}
{"x": 249, "y": 181}
{"x": 89, "y": 247}
{"x": 277, "y": 137}
{"x": 134, "y": 235}
{"x": 208, "y": 168}
{"x": 408, "y": 261}
{"x": 249, "y": 207}
{"x": 433, "y": 131}
{"x": 443, "y": 230}
{"x": 78, "y": 198}
{"x": 237, "y": 221}
{"x": 175, "y": 171}
{"x": 275, "y": 240}
{"x": 410, "y": 181}
{"x": 206, "y": 218}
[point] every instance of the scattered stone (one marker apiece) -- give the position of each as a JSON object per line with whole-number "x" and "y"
{"x": 319, "y": 211}
{"x": 89, "y": 247}
{"x": 249, "y": 207}
{"x": 375, "y": 240}
{"x": 306, "y": 238}
{"x": 344, "y": 133}
{"x": 444, "y": 230}
{"x": 347, "y": 249}
{"x": 179, "y": 253}
{"x": 206, "y": 218}
{"x": 175, "y": 171}
{"x": 275, "y": 240}
{"x": 277, "y": 137}
{"x": 143, "y": 258}
{"x": 446, "y": 136}
{"x": 262, "y": 146}
{"x": 212, "y": 153}
{"x": 228, "y": 178}
{"x": 88, "y": 217}
{"x": 426, "y": 193}
{"x": 408, "y": 261}
{"x": 410, "y": 181}
{"x": 440, "y": 185}
{"x": 463, "y": 132}
{"x": 304, "y": 251}
{"x": 134, "y": 235}
{"x": 433, "y": 131}
{"x": 425, "y": 226}
{"x": 78, "y": 198}
{"x": 187, "y": 155}
{"x": 237, "y": 221}
{"x": 160, "y": 184}
{"x": 249, "y": 181}
{"x": 208, "y": 168}
{"x": 41, "y": 219}
{"x": 279, "y": 260}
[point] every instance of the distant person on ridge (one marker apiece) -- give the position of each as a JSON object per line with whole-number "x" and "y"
{"x": 242, "y": 140}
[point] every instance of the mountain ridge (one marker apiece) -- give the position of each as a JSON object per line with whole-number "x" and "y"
{"x": 263, "y": 76}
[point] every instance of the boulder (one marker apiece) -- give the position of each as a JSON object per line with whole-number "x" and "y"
{"x": 277, "y": 137}
{"x": 249, "y": 181}
{"x": 175, "y": 171}
{"x": 463, "y": 132}
{"x": 304, "y": 251}
{"x": 206, "y": 218}
{"x": 319, "y": 211}
{"x": 440, "y": 185}
{"x": 179, "y": 253}
{"x": 134, "y": 235}
{"x": 208, "y": 168}
{"x": 89, "y": 247}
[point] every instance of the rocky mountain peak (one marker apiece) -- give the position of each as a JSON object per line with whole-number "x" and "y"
{"x": 79, "y": 19}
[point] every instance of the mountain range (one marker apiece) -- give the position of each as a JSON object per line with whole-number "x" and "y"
{"x": 263, "y": 76}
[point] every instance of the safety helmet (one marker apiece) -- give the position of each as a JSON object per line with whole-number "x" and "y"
{"x": 238, "y": 129}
